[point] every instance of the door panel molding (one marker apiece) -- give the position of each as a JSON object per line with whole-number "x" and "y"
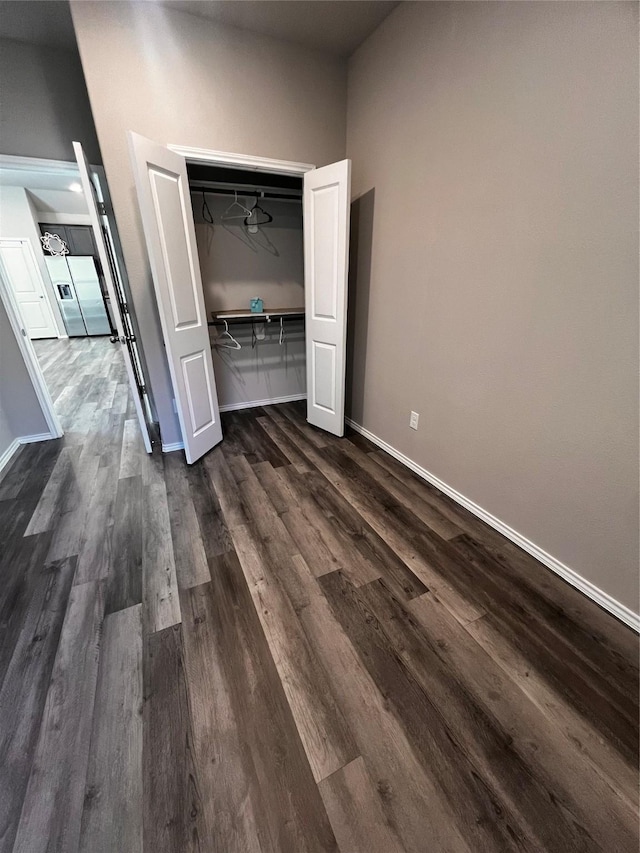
{"x": 165, "y": 206}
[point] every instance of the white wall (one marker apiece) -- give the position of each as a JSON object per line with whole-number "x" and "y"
{"x": 495, "y": 153}
{"x": 236, "y": 266}
{"x": 18, "y": 220}
{"x": 184, "y": 80}
{"x": 20, "y": 412}
{"x": 44, "y": 103}
{"x": 60, "y": 206}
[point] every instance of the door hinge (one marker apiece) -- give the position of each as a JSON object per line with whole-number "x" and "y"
{"x": 102, "y": 210}
{"x": 143, "y": 389}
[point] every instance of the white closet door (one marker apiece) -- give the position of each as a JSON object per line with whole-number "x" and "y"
{"x": 327, "y": 195}
{"x": 103, "y": 254}
{"x": 167, "y": 219}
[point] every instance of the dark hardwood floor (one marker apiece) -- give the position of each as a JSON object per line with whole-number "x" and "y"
{"x": 293, "y": 645}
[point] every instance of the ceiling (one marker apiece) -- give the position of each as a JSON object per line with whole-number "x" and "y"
{"x": 49, "y": 189}
{"x": 335, "y": 26}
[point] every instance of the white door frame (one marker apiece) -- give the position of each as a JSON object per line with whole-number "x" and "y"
{"x": 244, "y": 161}
{"x": 29, "y": 354}
{"x": 26, "y": 243}
{"x": 99, "y": 239}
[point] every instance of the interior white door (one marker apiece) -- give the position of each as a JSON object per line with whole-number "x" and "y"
{"x": 167, "y": 220}
{"x": 94, "y": 215}
{"x": 28, "y": 288}
{"x": 327, "y": 198}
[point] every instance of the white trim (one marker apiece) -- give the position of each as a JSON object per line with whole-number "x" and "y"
{"x": 169, "y": 448}
{"x": 63, "y": 218}
{"x": 29, "y": 355}
{"x": 39, "y": 436}
{"x": 17, "y": 443}
{"x": 37, "y": 164}
{"x": 101, "y": 230}
{"x": 620, "y": 611}
{"x": 253, "y": 404}
{"x": 243, "y": 161}
{"x": 8, "y": 455}
{"x": 235, "y": 407}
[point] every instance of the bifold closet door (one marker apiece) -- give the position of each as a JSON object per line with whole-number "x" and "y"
{"x": 103, "y": 253}
{"x": 167, "y": 219}
{"x": 327, "y": 195}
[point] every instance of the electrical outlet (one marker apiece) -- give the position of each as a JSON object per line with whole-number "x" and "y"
{"x": 413, "y": 420}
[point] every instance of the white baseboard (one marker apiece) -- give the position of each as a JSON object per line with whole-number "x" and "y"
{"x": 8, "y": 454}
{"x": 168, "y": 448}
{"x": 620, "y": 611}
{"x": 253, "y": 404}
{"x": 40, "y": 436}
{"x": 235, "y": 407}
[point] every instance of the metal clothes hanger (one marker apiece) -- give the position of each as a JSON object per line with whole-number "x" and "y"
{"x": 253, "y": 221}
{"x": 225, "y": 340}
{"x": 227, "y": 215}
{"x": 206, "y": 213}
{"x": 258, "y": 335}
{"x": 282, "y": 335}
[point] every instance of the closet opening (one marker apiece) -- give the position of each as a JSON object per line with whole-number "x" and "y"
{"x": 62, "y": 288}
{"x": 249, "y": 236}
{"x": 252, "y": 198}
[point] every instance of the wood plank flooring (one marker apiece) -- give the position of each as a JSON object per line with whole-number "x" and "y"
{"x": 293, "y": 645}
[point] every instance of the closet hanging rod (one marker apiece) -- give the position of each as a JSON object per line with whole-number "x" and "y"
{"x": 226, "y": 190}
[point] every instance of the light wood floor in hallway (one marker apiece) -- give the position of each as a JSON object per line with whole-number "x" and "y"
{"x": 293, "y": 645}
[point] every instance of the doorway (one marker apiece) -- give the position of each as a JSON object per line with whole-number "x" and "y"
{"x": 162, "y": 183}
{"x": 62, "y": 284}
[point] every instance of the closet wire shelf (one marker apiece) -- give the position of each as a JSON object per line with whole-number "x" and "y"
{"x": 243, "y": 315}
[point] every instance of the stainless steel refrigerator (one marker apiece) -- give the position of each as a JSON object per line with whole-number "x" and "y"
{"x": 77, "y": 288}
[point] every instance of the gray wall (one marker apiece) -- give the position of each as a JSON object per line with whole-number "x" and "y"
{"x": 180, "y": 79}
{"x": 20, "y": 412}
{"x": 6, "y": 433}
{"x": 44, "y": 103}
{"x": 495, "y": 153}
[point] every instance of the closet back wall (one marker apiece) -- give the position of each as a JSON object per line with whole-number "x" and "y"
{"x": 235, "y": 266}
{"x": 180, "y": 79}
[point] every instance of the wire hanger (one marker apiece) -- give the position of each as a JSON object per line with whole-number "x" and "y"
{"x": 245, "y": 212}
{"x": 225, "y": 340}
{"x": 206, "y": 213}
{"x": 253, "y": 221}
{"x": 282, "y": 335}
